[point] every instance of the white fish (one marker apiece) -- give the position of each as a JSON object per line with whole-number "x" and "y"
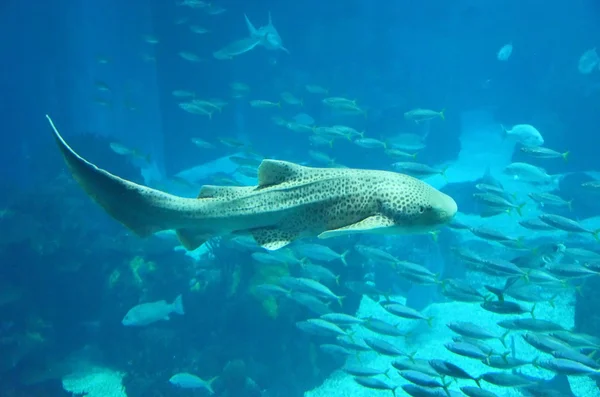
{"x": 317, "y": 326}
{"x": 198, "y": 29}
{"x": 310, "y": 286}
{"x": 290, "y": 98}
{"x": 320, "y": 273}
{"x": 297, "y": 127}
{"x": 540, "y": 152}
{"x": 287, "y": 256}
{"x": 215, "y": 10}
{"x": 266, "y": 258}
{"x": 320, "y": 252}
{"x": 505, "y": 52}
{"x": 410, "y": 142}
{"x": 303, "y": 118}
{"x": 202, "y": 144}
{"x": 186, "y": 380}
{"x": 318, "y": 140}
{"x": 151, "y": 39}
{"x": 194, "y": 4}
{"x": 151, "y": 312}
{"x": 183, "y": 94}
{"x": 315, "y": 89}
{"x": 320, "y": 157}
{"x": 370, "y": 143}
{"x": 525, "y": 172}
{"x": 190, "y": 56}
{"x": 525, "y": 134}
{"x": 311, "y": 302}
{"x": 417, "y": 170}
{"x": 419, "y": 115}
{"x": 120, "y": 149}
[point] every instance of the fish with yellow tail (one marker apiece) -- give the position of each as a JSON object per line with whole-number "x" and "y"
{"x": 290, "y": 202}
{"x": 420, "y": 115}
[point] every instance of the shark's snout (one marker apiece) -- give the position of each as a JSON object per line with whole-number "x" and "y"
{"x": 447, "y": 208}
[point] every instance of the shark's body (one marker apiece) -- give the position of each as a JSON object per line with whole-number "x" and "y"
{"x": 290, "y": 202}
{"x": 267, "y": 35}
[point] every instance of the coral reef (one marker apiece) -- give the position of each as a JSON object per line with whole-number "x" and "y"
{"x": 267, "y": 274}
{"x": 95, "y": 382}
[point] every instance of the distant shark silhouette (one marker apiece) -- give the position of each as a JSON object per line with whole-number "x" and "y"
{"x": 558, "y": 386}
{"x": 267, "y": 35}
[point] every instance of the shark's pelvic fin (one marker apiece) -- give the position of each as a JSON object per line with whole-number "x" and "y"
{"x": 272, "y": 238}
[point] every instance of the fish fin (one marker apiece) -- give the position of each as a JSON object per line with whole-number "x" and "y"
{"x": 434, "y": 235}
{"x": 270, "y": 19}
{"x": 135, "y": 206}
{"x": 272, "y": 239}
{"x": 251, "y": 28}
{"x": 209, "y": 383}
{"x": 190, "y": 239}
{"x": 504, "y": 132}
{"x": 177, "y": 305}
{"x": 274, "y": 172}
{"x": 343, "y": 259}
{"x": 369, "y": 224}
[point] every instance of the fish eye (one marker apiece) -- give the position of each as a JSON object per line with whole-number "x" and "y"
{"x": 421, "y": 209}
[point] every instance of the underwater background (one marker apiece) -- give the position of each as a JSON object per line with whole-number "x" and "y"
{"x": 497, "y": 104}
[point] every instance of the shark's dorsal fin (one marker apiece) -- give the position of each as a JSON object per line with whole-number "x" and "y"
{"x": 270, "y": 19}
{"x": 251, "y": 28}
{"x": 274, "y": 172}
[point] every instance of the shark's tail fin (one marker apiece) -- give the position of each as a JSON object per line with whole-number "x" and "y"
{"x": 141, "y": 209}
{"x": 251, "y": 28}
{"x": 177, "y": 305}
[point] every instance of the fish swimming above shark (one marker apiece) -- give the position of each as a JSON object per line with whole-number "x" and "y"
{"x": 290, "y": 202}
{"x": 268, "y": 35}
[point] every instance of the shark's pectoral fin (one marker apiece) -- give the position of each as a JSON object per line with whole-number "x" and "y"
{"x": 272, "y": 239}
{"x": 372, "y": 224}
{"x": 191, "y": 239}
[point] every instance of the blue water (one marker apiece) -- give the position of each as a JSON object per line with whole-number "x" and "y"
{"x": 69, "y": 272}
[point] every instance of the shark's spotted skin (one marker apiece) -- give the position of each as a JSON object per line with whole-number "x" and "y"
{"x": 290, "y": 202}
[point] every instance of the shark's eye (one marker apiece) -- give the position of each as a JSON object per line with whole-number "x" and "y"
{"x": 421, "y": 209}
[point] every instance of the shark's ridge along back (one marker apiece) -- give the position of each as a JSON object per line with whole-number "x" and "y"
{"x": 290, "y": 202}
